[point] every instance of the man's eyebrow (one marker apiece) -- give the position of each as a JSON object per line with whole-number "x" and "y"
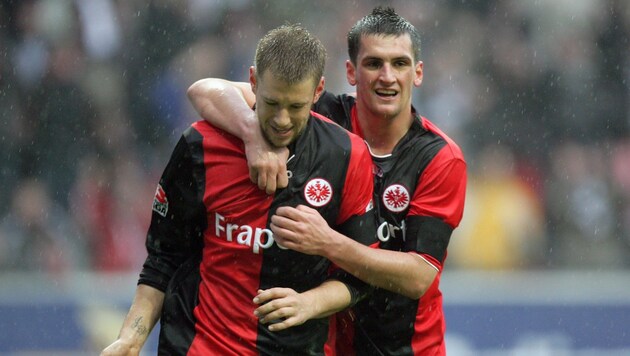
{"x": 274, "y": 101}
{"x": 371, "y": 58}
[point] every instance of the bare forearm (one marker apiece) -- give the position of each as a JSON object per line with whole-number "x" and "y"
{"x": 224, "y": 104}
{"x": 304, "y": 230}
{"x": 399, "y": 272}
{"x": 283, "y": 308}
{"x": 142, "y": 316}
{"x": 328, "y": 298}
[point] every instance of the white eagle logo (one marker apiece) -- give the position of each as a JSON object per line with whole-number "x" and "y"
{"x": 396, "y": 198}
{"x": 318, "y": 192}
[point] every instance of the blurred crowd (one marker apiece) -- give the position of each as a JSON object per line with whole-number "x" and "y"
{"x": 93, "y": 99}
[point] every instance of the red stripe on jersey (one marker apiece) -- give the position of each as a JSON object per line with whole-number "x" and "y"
{"x": 428, "y": 338}
{"x": 237, "y": 216}
{"x": 441, "y": 188}
{"x": 354, "y": 121}
{"x": 362, "y": 188}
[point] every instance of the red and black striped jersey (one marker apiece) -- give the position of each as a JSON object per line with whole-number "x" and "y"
{"x": 419, "y": 198}
{"x": 210, "y": 246}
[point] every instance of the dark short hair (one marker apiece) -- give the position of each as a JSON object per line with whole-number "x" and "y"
{"x": 382, "y": 21}
{"x": 291, "y": 53}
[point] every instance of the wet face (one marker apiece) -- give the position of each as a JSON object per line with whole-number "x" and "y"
{"x": 385, "y": 74}
{"x": 283, "y": 109}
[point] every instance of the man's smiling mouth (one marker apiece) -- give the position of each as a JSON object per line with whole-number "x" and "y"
{"x": 386, "y": 92}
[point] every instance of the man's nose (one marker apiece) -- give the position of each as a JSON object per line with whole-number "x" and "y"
{"x": 282, "y": 118}
{"x": 387, "y": 74}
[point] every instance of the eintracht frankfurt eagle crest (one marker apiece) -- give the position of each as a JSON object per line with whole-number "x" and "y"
{"x": 318, "y": 192}
{"x": 396, "y": 198}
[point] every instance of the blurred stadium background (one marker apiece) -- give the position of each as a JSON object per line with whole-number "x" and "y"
{"x": 536, "y": 92}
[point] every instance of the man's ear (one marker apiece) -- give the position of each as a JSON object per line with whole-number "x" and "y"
{"x": 351, "y": 73}
{"x": 252, "y": 78}
{"x": 419, "y": 74}
{"x": 319, "y": 89}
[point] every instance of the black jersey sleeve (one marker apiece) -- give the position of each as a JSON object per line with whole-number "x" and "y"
{"x": 428, "y": 235}
{"x": 335, "y": 107}
{"x": 178, "y": 219}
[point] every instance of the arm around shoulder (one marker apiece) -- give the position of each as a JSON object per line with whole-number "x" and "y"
{"x": 228, "y": 106}
{"x": 225, "y": 104}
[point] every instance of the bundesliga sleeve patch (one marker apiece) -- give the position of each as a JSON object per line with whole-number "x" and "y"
{"x": 318, "y": 192}
{"x": 160, "y": 202}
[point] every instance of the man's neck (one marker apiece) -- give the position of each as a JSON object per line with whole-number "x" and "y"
{"x": 383, "y": 133}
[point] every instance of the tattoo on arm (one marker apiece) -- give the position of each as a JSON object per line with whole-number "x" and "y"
{"x": 139, "y": 326}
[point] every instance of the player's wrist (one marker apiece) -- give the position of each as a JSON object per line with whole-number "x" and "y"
{"x": 133, "y": 345}
{"x": 250, "y": 129}
{"x": 337, "y": 247}
{"x": 133, "y": 337}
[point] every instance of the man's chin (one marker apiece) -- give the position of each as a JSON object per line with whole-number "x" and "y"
{"x": 386, "y": 110}
{"x": 278, "y": 143}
